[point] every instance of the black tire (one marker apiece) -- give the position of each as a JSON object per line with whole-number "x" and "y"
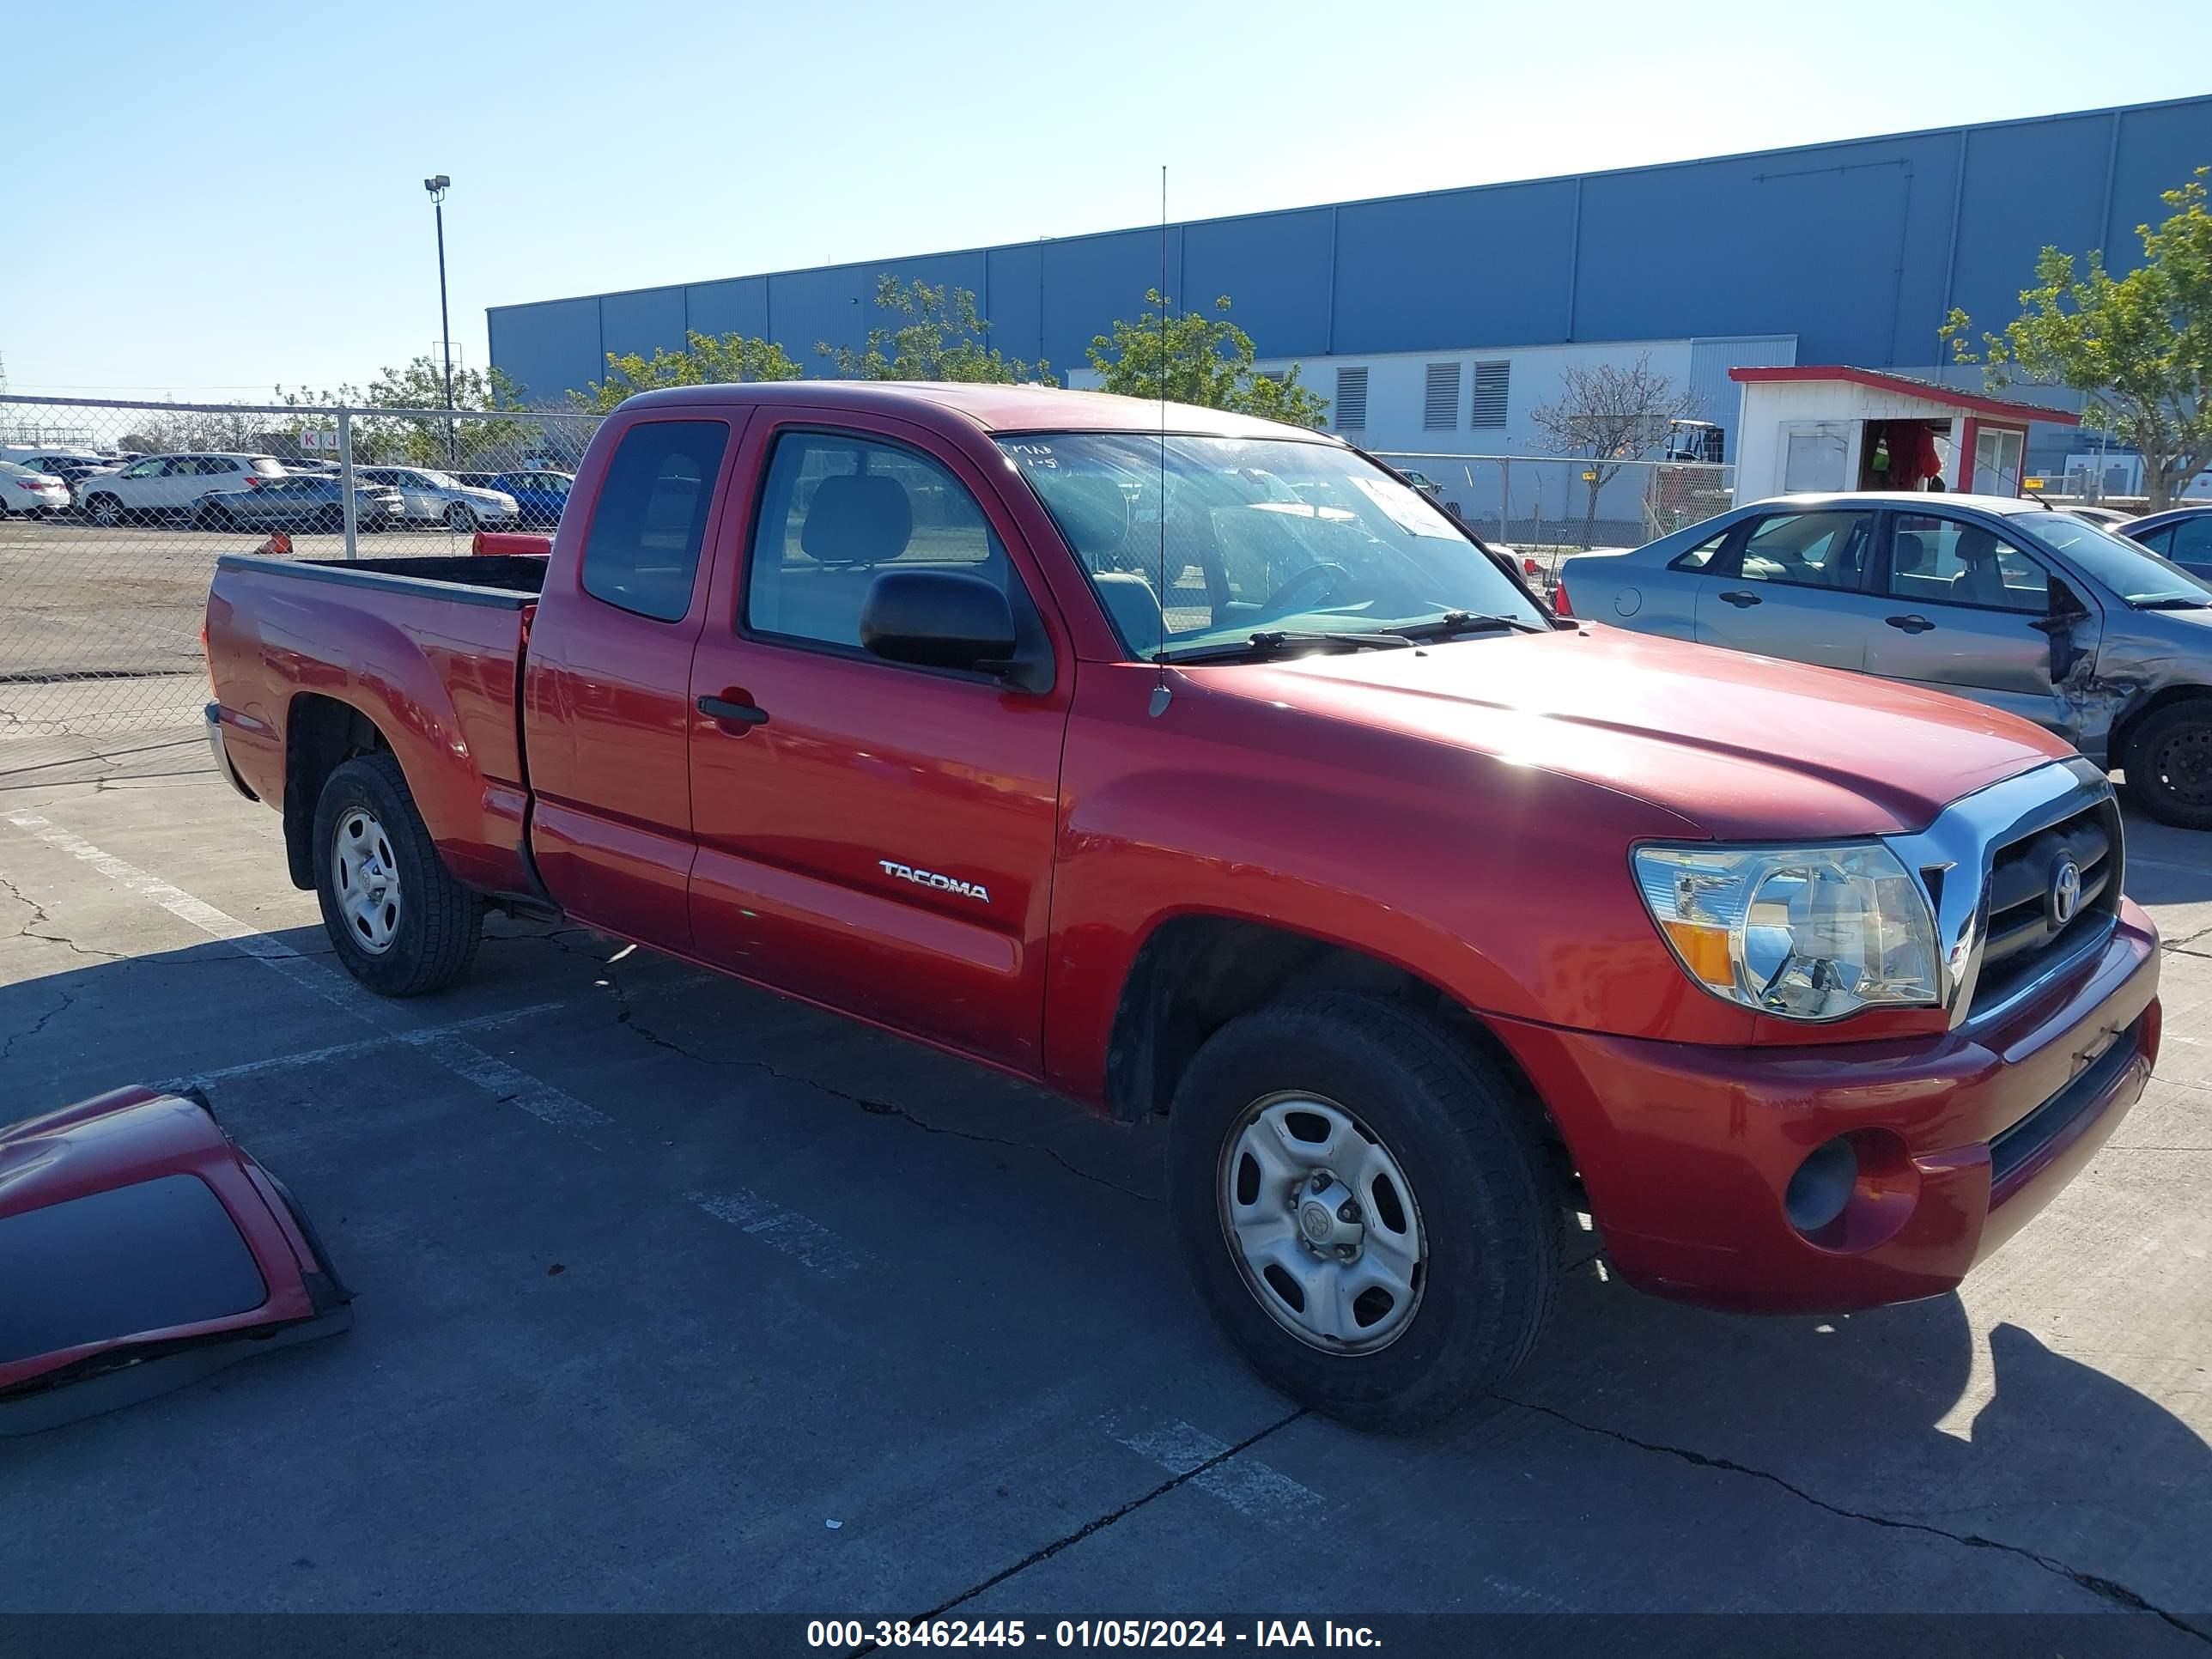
{"x": 331, "y": 522}
{"x": 440, "y": 922}
{"x": 2169, "y": 764}
{"x": 1491, "y": 1211}
{"x": 106, "y": 511}
{"x": 460, "y": 516}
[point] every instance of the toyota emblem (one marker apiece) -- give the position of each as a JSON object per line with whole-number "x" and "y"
{"x": 2065, "y": 895}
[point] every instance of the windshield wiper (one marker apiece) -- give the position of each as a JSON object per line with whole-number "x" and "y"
{"x": 2173, "y": 602}
{"x": 1269, "y": 642}
{"x": 1469, "y": 622}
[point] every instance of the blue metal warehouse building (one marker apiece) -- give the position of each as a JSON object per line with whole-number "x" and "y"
{"x": 1848, "y": 253}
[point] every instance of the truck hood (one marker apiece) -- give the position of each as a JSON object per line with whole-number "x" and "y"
{"x": 1741, "y": 746}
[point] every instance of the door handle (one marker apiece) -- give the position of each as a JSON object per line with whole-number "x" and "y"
{"x": 1914, "y": 624}
{"x": 743, "y": 714}
{"x": 1742, "y": 600}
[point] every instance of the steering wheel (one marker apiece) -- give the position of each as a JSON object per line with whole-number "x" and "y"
{"x": 1291, "y": 594}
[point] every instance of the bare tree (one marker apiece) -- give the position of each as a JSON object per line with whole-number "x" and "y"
{"x": 1609, "y": 416}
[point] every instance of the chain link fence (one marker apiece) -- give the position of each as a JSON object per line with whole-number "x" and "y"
{"x": 115, "y": 514}
{"x": 1546, "y": 506}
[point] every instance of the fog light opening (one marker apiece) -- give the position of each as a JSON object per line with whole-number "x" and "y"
{"x": 1823, "y": 1185}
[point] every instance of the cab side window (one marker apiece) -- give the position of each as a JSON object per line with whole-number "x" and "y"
{"x": 643, "y": 553}
{"x": 838, "y": 510}
{"x": 1943, "y": 561}
{"x": 1808, "y": 550}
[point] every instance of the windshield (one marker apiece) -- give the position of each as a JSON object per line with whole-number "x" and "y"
{"x": 1195, "y": 542}
{"x": 2129, "y": 568}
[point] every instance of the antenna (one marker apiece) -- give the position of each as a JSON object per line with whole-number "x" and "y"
{"x": 1161, "y": 690}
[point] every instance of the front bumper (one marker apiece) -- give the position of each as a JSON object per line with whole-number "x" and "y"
{"x": 1686, "y": 1152}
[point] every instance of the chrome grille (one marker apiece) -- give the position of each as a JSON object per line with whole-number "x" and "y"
{"x": 2023, "y": 936}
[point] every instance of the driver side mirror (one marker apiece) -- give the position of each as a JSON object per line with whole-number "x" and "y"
{"x": 938, "y": 619}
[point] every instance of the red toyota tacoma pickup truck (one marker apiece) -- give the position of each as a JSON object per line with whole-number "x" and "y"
{"x": 1186, "y": 763}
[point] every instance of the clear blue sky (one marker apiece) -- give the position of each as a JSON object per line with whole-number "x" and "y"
{"x": 248, "y": 206}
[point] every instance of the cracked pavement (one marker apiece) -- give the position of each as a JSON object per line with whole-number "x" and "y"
{"x": 772, "y": 1271}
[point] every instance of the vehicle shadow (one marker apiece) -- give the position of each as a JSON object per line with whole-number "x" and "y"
{"x": 2166, "y": 864}
{"x": 1908, "y": 1417}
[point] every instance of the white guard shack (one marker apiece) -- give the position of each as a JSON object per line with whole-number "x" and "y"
{"x": 1814, "y": 427}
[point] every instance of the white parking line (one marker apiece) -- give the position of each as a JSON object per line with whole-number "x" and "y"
{"x": 1245, "y": 1483}
{"x": 265, "y": 948}
{"x": 363, "y": 1046}
{"x": 798, "y": 1236}
{"x": 462, "y": 1058}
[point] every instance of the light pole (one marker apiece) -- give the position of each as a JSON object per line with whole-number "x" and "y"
{"x": 437, "y": 188}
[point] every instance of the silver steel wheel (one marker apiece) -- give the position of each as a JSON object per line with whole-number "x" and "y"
{"x": 366, "y": 879}
{"x": 1323, "y": 1222}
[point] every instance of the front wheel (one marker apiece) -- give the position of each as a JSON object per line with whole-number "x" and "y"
{"x": 2169, "y": 764}
{"x": 460, "y": 516}
{"x": 1364, "y": 1207}
{"x": 400, "y": 923}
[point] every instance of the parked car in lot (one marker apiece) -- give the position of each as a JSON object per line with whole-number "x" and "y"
{"x": 169, "y": 486}
{"x": 30, "y": 493}
{"x": 1425, "y": 918}
{"x": 2182, "y": 534}
{"x": 429, "y": 496}
{"x": 2036, "y": 612}
{"x": 67, "y": 464}
{"x": 2105, "y": 518}
{"x": 304, "y": 500}
{"x": 540, "y": 495}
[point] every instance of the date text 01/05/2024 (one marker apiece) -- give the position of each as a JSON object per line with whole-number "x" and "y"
{"x": 1084, "y": 1633}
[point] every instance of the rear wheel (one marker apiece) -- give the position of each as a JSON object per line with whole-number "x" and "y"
{"x": 1364, "y": 1207}
{"x": 2169, "y": 764}
{"x": 400, "y": 923}
{"x": 331, "y": 520}
{"x": 106, "y": 511}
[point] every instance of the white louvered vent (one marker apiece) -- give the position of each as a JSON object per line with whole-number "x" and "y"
{"x": 1440, "y": 407}
{"x": 1490, "y": 384}
{"x": 1351, "y": 409}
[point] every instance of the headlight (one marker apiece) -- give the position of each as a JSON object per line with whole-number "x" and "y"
{"x": 1803, "y": 933}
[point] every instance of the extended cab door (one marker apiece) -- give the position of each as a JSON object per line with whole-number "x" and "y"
{"x": 1792, "y": 585}
{"x": 1967, "y": 612}
{"x": 606, "y": 688}
{"x": 874, "y": 835}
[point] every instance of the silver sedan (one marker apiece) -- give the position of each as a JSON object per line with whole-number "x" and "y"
{"x": 429, "y": 496}
{"x": 2033, "y": 611}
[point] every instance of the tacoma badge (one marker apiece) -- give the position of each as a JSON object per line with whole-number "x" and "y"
{"x": 931, "y": 879}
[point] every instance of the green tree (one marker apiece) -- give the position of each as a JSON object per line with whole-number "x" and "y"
{"x": 1189, "y": 357}
{"x": 705, "y": 360}
{"x": 422, "y": 439}
{"x": 941, "y": 339}
{"x": 2138, "y": 348}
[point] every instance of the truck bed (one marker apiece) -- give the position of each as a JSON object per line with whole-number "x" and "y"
{"x": 428, "y": 650}
{"x": 508, "y": 580}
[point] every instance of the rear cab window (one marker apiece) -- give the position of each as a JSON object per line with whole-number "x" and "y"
{"x": 642, "y": 552}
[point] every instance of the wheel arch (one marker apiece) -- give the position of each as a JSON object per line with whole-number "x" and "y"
{"x": 2132, "y": 718}
{"x": 1196, "y": 971}
{"x": 321, "y": 733}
